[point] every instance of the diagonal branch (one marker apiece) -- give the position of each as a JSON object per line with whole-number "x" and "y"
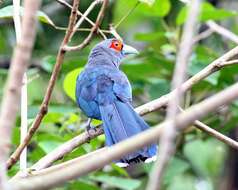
{"x": 43, "y": 109}
{"x": 222, "y": 31}
{"x": 76, "y": 169}
{"x": 44, "y": 106}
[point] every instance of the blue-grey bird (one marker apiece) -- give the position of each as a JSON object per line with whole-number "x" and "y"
{"x": 103, "y": 92}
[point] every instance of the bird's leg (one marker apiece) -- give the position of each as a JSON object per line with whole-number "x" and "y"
{"x": 89, "y": 128}
{"x": 88, "y": 125}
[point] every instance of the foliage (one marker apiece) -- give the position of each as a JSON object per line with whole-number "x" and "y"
{"x": 155, "y": 28}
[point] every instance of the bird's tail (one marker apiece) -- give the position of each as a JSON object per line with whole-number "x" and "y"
{"x": 120, "y": 122}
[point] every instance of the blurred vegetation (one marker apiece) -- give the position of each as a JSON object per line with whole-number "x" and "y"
{"x": 155, "y": 30}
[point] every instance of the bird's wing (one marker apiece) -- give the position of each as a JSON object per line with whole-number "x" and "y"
{"x": 103, "y": 85}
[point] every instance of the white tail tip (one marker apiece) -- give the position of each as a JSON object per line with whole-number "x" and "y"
{"x": 151, "y": 159}
{"x": 122, "y": 165}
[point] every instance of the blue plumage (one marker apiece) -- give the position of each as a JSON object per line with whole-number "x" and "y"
{"x": 103, "y": 92}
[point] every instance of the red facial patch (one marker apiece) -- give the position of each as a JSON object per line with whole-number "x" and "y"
{"x": 116, "y": 45}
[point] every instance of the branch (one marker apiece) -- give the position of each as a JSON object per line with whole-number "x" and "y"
{"x": 167, "y": 146}
{"x": 202, "y": 35}
{"x": 44, "y": 106}
{"x": 17, "y": 24}
{"x": 76, "y": 169}
{"x": 66, "y": 148}
{"x": 11, "y": 98}
{"x": 222, "y": 31}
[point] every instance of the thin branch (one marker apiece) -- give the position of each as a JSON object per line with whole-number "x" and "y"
{"x": 227, "y": 63}
{"x": 44, "y": 106}
{"x": 24, "y": 123}
{"x": 82, "y": 29}
{"x": 222, "y": 31}
{"x": 167, "y": 145}
{"x": 76, "y": 169}
{"x": 202, "y": 35}
{"x": 94, "y": 28}
{"x": 114, "y": 32}
{"x": 82, "y": 15}
{"x": 126, "y": 15}
{"x": 17, "y": 24}
{"x": 216, "y": 134}
{"x": 11, "y": 98}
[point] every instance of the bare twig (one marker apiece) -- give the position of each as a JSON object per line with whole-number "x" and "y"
{"x": 44, "y": 106}
{"x": 216, "y": 134}
{"x": 126, "y": 15}
{"x": 202, "y": 35}
{"x": 94, "y": 28}
{"x": 85, "y": 17}
{"x": 167, "y": 146}
{"x": 222, "y": 31}
{"x": 74, "y": 170}
{"x": 24, "y": 124}
{"x": 114, "y": 33}
{"x": 11, "y": 98}
{"x": 17, "y": 24}
{"x": 227, "y": 63}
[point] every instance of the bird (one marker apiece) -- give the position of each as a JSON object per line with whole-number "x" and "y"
{"x": 103, "y": 92}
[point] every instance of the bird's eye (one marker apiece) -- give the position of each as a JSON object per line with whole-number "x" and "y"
{"x": 116, "y": 45}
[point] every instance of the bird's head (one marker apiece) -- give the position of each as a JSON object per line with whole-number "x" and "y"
{"x": 112, "y": 49}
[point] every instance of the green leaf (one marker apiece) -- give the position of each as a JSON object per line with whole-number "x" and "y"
{"x": 151, "y": 36}
{"x": 208, "y": 13}
{"x": 48, "y": 146}
{"x": 48, "y": 63}
{"x": 122, "y": 183}
{"x": 201, "y": 155}
{"x": 70, "y": 82}
{"x": 160, "y": 8}
{"x": 176, "y": 167}
{"x": 7, "y": 12}
{"x": 183, "y": 182}
{"x": 197, "y": 64}
{"x": 82, "y": 184}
